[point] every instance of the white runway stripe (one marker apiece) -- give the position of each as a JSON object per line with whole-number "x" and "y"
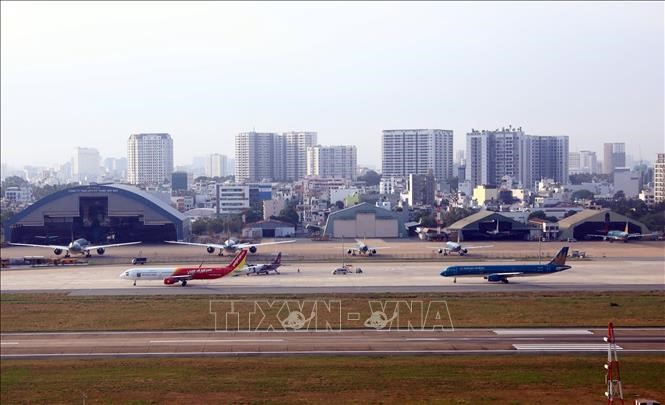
{"x": 563, "y": 346}
{"x": 217, "y": 341}
{"x": 542, "y": 332}
{"x": 8, "y": 343}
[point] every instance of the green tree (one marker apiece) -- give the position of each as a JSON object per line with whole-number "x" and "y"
{"x": 582, "y": 195}
{"x": 538, "y": 215}
{"x": 371, "y": 178}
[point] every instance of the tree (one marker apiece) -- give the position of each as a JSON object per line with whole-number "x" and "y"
{"x": 582, "y": 195}
{"x": 619, "y": 195}
{"x": 289, "y": 214}
{"x": 339, "y": 205}
{"x": 539, "y": 215}
{"x": 371, "y": 178}
{"x": 252, "y": 215}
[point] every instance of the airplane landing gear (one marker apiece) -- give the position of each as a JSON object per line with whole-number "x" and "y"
{"x": 455, "y": 280}
{"x": 184, "y": 283}
{"x": 134, "y": 283}
{"x": 504, "y": 280}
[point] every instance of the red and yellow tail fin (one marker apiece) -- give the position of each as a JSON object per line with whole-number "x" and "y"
{"x": 239, "y": 261}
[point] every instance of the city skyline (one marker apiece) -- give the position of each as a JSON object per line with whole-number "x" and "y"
{"x": 593, "y": 71}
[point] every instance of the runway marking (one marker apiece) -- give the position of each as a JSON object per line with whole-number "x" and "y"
{"x": 564, "y": 346}
{"x": 294, "y": 353}
{"x": 8, "y": 343}
{"x": 216, "y": 340}
{"x": 542, "y": 332}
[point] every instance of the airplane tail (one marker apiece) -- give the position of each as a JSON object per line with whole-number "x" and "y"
{"x": 278, "y": 259}
{"x": 606, "y": 230}
{"x": 239, "y": 261}
{"x": 626, "y": 230}
{"x": 560, "y": 258}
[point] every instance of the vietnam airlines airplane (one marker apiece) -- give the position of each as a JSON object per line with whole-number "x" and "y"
{"x": 624, "y": 235}
{"x": 495, "y": 273}
{"x": 80, "y": 246}
{"x": 184, "y": 274}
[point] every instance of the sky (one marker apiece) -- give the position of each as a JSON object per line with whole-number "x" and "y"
{"x": 90, "y": 74}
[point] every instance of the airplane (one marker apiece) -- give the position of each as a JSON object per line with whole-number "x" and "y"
{"x": 182, "y": 275}
{"x": 230, "y": 245}
{"x": 80, "y": 246}
{"x": 624, "y": 235}
{"x": 456, "y": 247}
{"x": 264, "y": 269}
{"x": 361, "y": 248}
{"x": 496, "y": 273}
{"x": 497, "y": 231}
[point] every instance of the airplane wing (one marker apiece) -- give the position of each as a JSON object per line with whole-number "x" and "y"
{"x": 183, "y": 277}
{"x": 41, "y": 246}
{"x": 246, "y": 245}
{"x": 640, "y": 235}
{"x": 477, "y": 247}
{"x": 508, "y": 274}
{"x": 216, "y": 246}
{"x": 596, "y": 236}
{"x": 91, "y": 247}
{"x": 381, "y": 247}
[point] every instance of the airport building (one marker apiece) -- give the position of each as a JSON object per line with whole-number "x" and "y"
{"x": 365, "y": 220}
{"x": 270, "y": 228}
{"x": 488, "y": 225}
{"x": 593, "y": 222}
{"x": 112, "y": 213}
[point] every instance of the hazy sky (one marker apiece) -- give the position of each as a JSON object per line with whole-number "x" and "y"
{"x": 90, "y": 74}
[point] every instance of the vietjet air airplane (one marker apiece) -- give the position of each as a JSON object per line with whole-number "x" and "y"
{"x": 496, "y": 273}
{"x": 184, "y": 274}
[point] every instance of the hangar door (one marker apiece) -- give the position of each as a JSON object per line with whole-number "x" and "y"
{"x": 366, "y": 226}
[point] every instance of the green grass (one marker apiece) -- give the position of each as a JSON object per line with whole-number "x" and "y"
{"x": 399, "y": 379}
{"x": 59, "y": 312}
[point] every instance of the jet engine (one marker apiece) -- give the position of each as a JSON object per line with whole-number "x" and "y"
{"x": 170, "y": 280}
{"x": 100, "y": 251}
{"x": 252, "y": 249}
{"x": 494, "y": 278}
{"x": 210, "y": 249}
{"x": 465, "y": 251}
{"x": 57, "y": 251}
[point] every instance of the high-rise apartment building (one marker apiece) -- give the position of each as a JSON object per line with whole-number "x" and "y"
{"x": 295, "y": 153}
{"x": 216, "y": 165}
{"x": 417, "y": 151}
{"x": 659, "y": 179}
{"x": 149, "y": 158}
{"x": 272, "y": 156}
{"x": 86, "y": 164}
{"x": 492, "y": 155}
{"x": 614, "y": 155}
{"x": 332, "y": 161}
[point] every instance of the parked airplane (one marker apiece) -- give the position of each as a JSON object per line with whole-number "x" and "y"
{"x": 624, "y": 235}
{"x": 495, "y": 273}
{"x": 80, "y": 246}
{"x": 184, "y": 274}
{"x": 496, "y": 231}
{"x": 362, "y": 248}
{"x": 455, "y": 247}
{"x": 230, "y": 245}
{"x": 264, "y": 269}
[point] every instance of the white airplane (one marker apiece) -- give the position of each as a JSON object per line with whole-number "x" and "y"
{"x": 230, "y": 245}
{"x": 454, "y": 247}
{"x": 264, "y": 269}
{"x": 362, "y": 249}
{"x": 80, "y": 246}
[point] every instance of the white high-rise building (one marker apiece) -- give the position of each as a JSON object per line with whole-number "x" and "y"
{"x": 86, "y": 164}
{"x": 272, "y": 156}
{"x": 417, "y": 151}
{"x": 149, "y": 158}
{"x": 295, "y": 153}
{"x": 527, "y": 159}
{"x": 332, "y": 161}
{"x": 582, "y": 162}
{"x": 216, "y": 165}
{"x": 659, "y": 179}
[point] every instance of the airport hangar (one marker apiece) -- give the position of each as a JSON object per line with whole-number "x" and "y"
{"x": 488, "y": 225}
{"x": 586, "y": 222}
{"x": 365, "y": 220}
{"x": 100, "y": 213}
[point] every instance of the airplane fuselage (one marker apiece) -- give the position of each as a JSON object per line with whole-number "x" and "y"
{"x": 502, "y": 272}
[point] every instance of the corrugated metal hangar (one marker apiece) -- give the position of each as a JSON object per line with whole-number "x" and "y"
{"x": 594, "y": 222}
{"x": 98, "y": 213}
{"x": 488, "y": 225}
{"x": 365, "y": 220}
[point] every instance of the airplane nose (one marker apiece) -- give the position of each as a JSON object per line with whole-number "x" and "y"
{"x": 444, "y": 272}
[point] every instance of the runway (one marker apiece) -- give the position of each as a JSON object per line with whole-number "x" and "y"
{"x": 316, "y": 278}
{"x": 344, "y": 342}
